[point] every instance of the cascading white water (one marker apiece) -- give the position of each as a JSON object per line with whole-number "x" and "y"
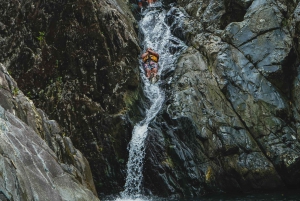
{"x": 157, "y": 35}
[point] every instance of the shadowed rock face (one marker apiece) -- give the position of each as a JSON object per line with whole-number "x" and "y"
{"x": 36, "y": 161}
{"x": 231, "y": 120}
{"x": 77, "y": 60}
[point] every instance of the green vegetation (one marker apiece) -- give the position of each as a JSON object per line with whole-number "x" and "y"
{"x": 15, "y": 91}
{"x": 41, "y": 36}
{"x": 168, "y": 162}
{"x": 28, "y": 94}
{"x": 59, "y": 79}
{"x": 130, "y": 97}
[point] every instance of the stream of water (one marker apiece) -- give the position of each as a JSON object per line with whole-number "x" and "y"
{"x": 155, "y": 33}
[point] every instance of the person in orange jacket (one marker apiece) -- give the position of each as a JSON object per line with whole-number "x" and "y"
{"x": 150, "y": 62}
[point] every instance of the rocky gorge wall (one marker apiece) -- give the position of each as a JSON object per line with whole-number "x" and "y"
{"x": 37, "y": 162}
{"x": 231, "y": 119}
{"x": 77, "y": 60}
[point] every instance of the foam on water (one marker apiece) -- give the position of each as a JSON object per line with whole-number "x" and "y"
{"x": 156, "y": 34}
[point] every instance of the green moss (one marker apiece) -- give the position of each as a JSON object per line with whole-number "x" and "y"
{"x": 16, "y": 91}
{"x": 56, "y": 64}
{"x": 132, "y": 102}
{"x": 28, "y": 94}
{"x": 130, "y": 97}
{"x": 59, "y": 79}
{"x": 41, "y": 36}
{"x": 100, "y": 149}
{"x": 168, "y": 162}
{"x": 208, "y": 174}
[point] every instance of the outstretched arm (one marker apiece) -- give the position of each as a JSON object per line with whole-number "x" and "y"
{"x": 143, "y": 55}
{"x": 154, "y": 53}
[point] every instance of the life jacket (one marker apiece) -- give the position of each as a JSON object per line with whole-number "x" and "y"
{"x": 151, "y": 56}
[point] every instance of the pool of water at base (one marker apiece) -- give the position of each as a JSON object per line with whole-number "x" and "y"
{"x": 288, "y": 195}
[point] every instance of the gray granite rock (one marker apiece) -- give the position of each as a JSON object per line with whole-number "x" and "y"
{"x": 32, "y": 162}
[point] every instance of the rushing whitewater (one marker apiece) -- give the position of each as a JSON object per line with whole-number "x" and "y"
{"x": 156, "y": 34}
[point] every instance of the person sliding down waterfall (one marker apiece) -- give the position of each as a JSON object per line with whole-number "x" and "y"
{"x": 150, "y": 62}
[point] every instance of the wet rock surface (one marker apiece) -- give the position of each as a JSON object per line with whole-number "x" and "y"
{"x": 37, "y": 161}
{"x": 231, "y": 119}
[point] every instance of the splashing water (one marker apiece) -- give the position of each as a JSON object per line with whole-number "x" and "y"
{"x": 157, "y": 35}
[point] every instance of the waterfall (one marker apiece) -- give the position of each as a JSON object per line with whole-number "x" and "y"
{"x": 157, "y": 35}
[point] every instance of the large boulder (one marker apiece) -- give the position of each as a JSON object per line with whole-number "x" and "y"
{"x": 37, "y": 161}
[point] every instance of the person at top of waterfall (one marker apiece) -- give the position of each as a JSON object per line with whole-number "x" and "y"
{"x": 151, "y": 1}
{"x": 150, "y": 62}
{"x": 140, "y": 2}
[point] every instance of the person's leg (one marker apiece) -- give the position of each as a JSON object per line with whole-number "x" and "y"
{"x": 154, "y": 71}
{"x": 154, "y": 68}
{"x": 148, "y": 72}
